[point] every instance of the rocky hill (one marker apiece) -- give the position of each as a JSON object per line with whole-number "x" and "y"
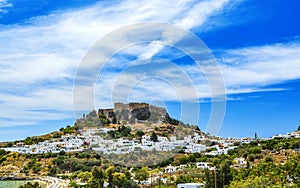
{"x": 138, "y": 117}
{"x": 129, "y": 113}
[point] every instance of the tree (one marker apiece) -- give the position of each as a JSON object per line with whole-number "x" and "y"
{"x": 141, "y": 174}
{"x": 255, "y": 182}
{"x": 85, "y": 176}
{"x": 184, "y": 179}
{"x": 192, "y": 158}
{"x": 154, "y": 137}
{"x": 110, "y": 171}
{"x": 184, "y": 159}
{"x": 114, "y": 120}
{"x": 31, "y": 185}
{"x": 2, "y": 152}
{"x": 226, "y": 174}
{"x": 255, "y": 150}
{"x": 140, "y": 133}
{"x": 97, "y": 156}
{"x": 103, "y": 121}
{"x": 248, "y": 164}
{"x": 62, "y": 152}
{"x": 52, "y": 171}
{"x": 129, "y": 183}
{"x": 28, "y": 141}
{"x": 97, "y": 179}
{"x": 125, "y": 131}
{"x": 251, "y": 157}
{"x": 209, "y": 178}
{"x": 255, "y": 136}
{"x": 119, "y": 179}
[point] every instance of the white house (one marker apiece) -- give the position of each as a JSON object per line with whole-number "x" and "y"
{"x": 241, "y": 162}
{"x": 204, "y": 165}
{"x": 170, "y": 169}
{"x": 190, "y": 185}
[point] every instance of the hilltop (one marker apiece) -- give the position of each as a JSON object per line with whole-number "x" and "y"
{"x": 139, "y": 117}
{"x": 126, "y": 113}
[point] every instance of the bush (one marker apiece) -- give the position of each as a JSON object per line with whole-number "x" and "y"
{"x": 52, "y": 172}
{"x": 2, "y": 152}
{"x": 269, "y": 159}
{"x": 251, "y": 157}
{"x": 62, "y": 152}
{"x": 255, "y": 150}
{"x": 184, "y": 159}
{"x": 2, "y": 159}
{"x": 31, "y": 185}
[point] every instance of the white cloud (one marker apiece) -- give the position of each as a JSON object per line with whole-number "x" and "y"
{"x": 262, "y": 65}
{"x": 4, "y": 4}
{"x": 199, "y": 13}
{"x": 35, "y": 106}
{"x": 39, "y": 59}
{"x": 245, "y": 70}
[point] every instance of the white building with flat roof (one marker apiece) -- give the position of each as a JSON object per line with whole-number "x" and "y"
{"x": 190, "y": 185}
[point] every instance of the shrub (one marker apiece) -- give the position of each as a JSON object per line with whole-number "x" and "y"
{"x": 251, "y": 157}
{"x": 269, "y": 159}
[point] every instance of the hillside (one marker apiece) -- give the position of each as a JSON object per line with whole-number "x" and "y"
{"x": 274, "y": 162}
{"x": 158, "y": 151}
{"x": 139, "y": 117}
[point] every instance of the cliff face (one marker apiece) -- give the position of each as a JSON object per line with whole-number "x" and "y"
{"x": 139, "y": 112}
{"x": 131, "y": 113}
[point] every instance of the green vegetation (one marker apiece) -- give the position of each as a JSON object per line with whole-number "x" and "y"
{"x": 255, "y": 148}
{"x": 153, "y": 137}
{"x": 272, "y": 163}
{"x": 122, "y": 131}
{"x": 68, "y": 130}
{"x": 97, "y": 179}
{"x": 170, "y": 120}
{"x": 3, "y": 154}
{"x": 269, "y": 174}
{"x": 142, "y": 174}
{"x": 31, "y": 185}
{"x": 268, "y": 163}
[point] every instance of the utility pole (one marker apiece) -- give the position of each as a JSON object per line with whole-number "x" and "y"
{"x": 215, "y": 178}
{"x": 159, "y": 179}
{"x": 170, "y": 177}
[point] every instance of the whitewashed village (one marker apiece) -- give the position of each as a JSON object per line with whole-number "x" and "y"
{"x": 90, "y": 138}
{"x": 149, "y": 129}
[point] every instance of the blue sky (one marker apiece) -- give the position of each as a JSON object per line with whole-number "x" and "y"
{"x": 256, "y": 44}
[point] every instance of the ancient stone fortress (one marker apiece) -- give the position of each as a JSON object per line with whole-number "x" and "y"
{"x": 140, "y": 111}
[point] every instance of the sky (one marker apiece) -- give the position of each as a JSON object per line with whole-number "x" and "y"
{"x": 255, "y": 45}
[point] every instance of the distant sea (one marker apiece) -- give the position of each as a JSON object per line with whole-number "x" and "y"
{"x": 15, "y": 184}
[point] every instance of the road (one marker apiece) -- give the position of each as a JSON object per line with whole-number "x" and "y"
{"x": 54, "y": 182}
